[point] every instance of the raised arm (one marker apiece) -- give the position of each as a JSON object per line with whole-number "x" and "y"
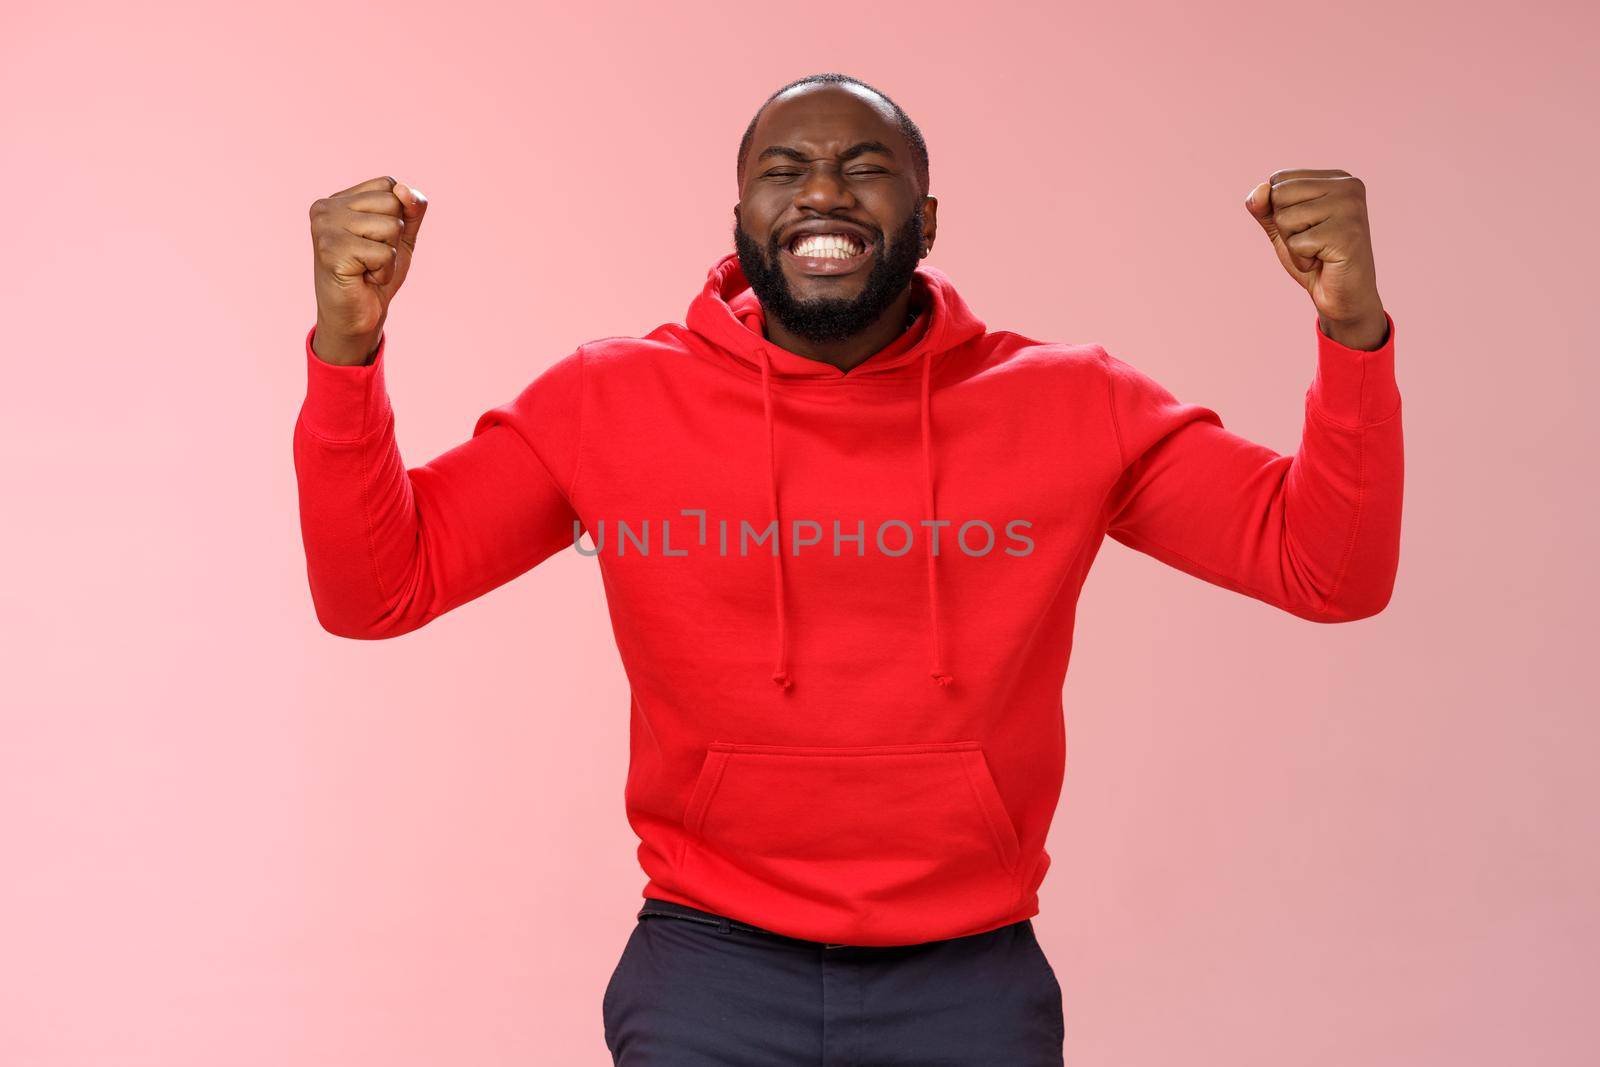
{"x": 1316, "y": 533}
{"x": 389, "y": 549}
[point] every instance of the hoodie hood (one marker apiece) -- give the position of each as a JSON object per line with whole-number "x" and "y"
{"x": 728, "y": 316}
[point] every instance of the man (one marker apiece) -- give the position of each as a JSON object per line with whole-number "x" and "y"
{"x": 842, "y": 527}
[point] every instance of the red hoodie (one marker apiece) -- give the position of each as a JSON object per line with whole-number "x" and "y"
{"x": 859, "y": 740}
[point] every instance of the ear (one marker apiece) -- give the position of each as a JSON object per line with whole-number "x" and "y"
{"x": 930, "y": 222}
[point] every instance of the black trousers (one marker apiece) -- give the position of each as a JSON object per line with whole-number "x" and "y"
{"x": 695, "y": 989}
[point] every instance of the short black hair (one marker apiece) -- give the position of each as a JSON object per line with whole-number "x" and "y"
{"x": 913, "y": 135}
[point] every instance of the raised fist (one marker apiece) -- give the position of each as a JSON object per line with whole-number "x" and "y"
{"x": 363, "y": 239}
{"x": 1317, "y": 223}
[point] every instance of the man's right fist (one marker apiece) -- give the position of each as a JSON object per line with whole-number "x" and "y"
{"x": 363, "y": 239}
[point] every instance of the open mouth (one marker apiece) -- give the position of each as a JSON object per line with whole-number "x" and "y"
{"x": 827, "y": 253}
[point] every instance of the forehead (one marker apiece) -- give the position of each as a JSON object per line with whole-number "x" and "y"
{"x": 827, "y": 117}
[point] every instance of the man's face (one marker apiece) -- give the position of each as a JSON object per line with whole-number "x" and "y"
{"x": 831, "y": 219}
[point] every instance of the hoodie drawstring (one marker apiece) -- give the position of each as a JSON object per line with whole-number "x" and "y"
{"x": 940, "y": 675}
{"x": 780, "y": 672}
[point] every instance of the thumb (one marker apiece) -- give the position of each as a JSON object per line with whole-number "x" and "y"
{"x": 415, "y": 206}
{"x": 1259, "y": 203}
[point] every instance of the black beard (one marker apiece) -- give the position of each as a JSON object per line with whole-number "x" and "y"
{"x": 832, "y": 318}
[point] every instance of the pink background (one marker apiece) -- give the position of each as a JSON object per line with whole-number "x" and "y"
{"x": 230, "y": 838}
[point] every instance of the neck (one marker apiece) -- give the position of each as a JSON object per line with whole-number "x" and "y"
{"x": 854, "y": 350}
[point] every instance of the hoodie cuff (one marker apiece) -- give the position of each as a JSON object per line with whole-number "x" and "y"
{"x": 344, "y": 403}
{"x": 1354, "y": 387}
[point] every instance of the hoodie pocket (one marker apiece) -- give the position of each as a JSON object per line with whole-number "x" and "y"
{"x": 897, "y": 826}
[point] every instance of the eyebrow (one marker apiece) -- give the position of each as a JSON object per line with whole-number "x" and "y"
{"x": 858, "y": 149}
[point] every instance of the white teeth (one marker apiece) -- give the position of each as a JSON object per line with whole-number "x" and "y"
{"x": 827, "y": 246}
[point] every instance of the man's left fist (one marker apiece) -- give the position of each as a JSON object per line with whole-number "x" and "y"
{"x": 1317, "y": 222}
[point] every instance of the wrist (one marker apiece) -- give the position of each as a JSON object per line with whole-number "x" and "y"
{"x": 345, "y": 351}
{"x": 1366, "y": 333}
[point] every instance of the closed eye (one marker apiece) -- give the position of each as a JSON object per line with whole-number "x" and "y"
{"x": 856, "y": 172}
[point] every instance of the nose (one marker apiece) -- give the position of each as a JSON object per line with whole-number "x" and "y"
{"x": 823, "y": 190}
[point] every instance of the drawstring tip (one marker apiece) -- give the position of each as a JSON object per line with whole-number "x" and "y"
{"x": 782, "y": 679}
{"x": 942, "y": 678}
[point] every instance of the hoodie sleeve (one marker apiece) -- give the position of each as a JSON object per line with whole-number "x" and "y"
{"x": 389, "y": 549}
{"x": 1316, "y": 533}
